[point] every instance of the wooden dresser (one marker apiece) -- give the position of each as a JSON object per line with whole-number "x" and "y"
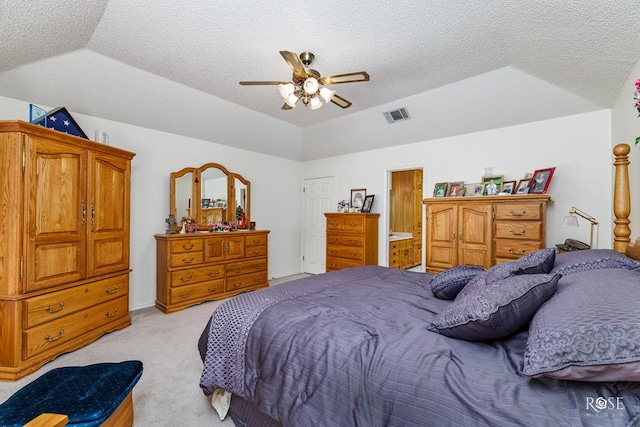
{"x": 352, "y": 240}
{"x": 197, "y": 267}
{"x": 483, "y": 230}
{"x": 64, "y": 252}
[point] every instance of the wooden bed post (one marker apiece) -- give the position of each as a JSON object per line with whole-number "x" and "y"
{"x": 621, "y": 198}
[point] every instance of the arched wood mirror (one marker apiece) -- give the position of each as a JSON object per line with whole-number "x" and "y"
{"x": 210, "y": 195}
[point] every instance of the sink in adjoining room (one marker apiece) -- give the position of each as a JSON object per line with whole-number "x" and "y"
{"x": 395, "y": 235}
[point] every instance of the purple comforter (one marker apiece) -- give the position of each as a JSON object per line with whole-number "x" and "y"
{"x": 352, "y": 347}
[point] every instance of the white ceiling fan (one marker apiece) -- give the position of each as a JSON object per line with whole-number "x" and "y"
{"x": 307, "y": 84}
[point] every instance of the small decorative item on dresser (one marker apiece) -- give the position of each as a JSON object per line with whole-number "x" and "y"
{"x": 454, "y": 188}
{"x": 474, "y": 189}
{"x": 509, "y": 187}
{"x": 492, "y": 185}
{"x": 357, "y": 198}
{"x": 523, "y": 186}
{"x": 441, "y": 189}
{"x": 368, "y": 203}
{"x": 541, "y": 180}
{"x": 173, "y": 224}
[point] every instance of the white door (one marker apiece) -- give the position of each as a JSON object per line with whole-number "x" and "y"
{"x": 317, "y": 199}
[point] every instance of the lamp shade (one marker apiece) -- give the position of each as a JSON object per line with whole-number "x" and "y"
{"x": 291, "y": 100}
{"x": 286, "y": 89}
{"x": 310, "y": 85}
{"x": 327, "y": 94}
{"x": 570, "y": 221}
{"x": 315, "y": 103}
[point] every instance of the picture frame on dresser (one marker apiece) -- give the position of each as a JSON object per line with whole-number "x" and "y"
{"x": 454, "y": 188}
{"x": 492, "y": 184}
{"x": 357, "y": 197}
{"x": 367, "y": 204}
{"x": 541, "y": 180}
{"x": 474, "y": 189}
{"x": 441, "y": 189}
{"x": 509, "y": 187}
{"x": 523, "y": 186}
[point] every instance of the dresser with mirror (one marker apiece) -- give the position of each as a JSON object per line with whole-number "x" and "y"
{"x": 223, "y": 254}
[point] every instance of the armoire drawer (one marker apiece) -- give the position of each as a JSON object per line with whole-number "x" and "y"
{"x": 525, "y": 230}
{"x": 515, "y": 248}
{"x": 524, "y": 211}
{"x": 245, "y": 267}
{"x": 245, "y": 280}
{"x": 44, "y": 308}
{"x": 196, "y": 291}
{"x": 59, "y": 332}
{"x": 196, "y": 275}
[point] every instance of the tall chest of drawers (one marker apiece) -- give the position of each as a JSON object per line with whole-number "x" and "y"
{"x": 352, "y": 240}
{"x": 197, "y": 267}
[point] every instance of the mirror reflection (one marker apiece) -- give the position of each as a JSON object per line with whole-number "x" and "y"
{"x": 213, "y": 195}
{"x": 183, "y": 194}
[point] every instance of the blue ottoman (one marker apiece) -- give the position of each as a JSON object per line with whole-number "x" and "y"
{"x": 88, "y": 395}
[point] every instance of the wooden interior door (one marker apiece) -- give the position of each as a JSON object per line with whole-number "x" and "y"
{"x": 56, "y": 200}
{"x": 108, "y": 214}
{"x": 474, "y": 235}
{"x": 441, "y": 235}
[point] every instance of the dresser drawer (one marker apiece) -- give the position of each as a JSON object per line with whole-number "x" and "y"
{"x": 513, "y": 249}
{"x": 353, "y": 224}
{"x": 253, "y": 251}
{"x": 186, "y": 245}
{"x": 340, "y": 263}
{"x": 196, "y": 275}
{"x": 186, "y": 258}
{"x": 350, "y": 252}
{"x": 334, "y": 223}
{"x": 256, "y": 240}
{"x": 524, "y": 210}
{"x": 196, "y": 291}
{"x": 345, "y": 240}
{"x": 245, "y": 280}
{"x": 245, "y": 267}
{"x": 44, "y": 308}
{"x": 59, "y": 332}
{"x": 525, "y": 230}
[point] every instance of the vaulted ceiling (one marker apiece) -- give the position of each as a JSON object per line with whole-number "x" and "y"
{"x": 457, "y": 66}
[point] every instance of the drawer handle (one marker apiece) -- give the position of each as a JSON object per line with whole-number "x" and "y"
{"x": 112, "y": 291}
{"x": 334, "y": 240}
{"x": 187, "y": 248}
{"x": 184, "y": 260}
{"x": 521, "y": 252}
{"x": 115, "y": 312}
{"x": 353, "y": 254}
{"x": 53, "y": 310}
{"x": 354, "y": 242}
{"x": 52, "y": 339}
{"x": 212, "y": 290}
{"x": 182, "y": 278}
{"x": 335, "y": 224}
{"x": 257, "y": 266}
{"x": 333, "y": 252}
{"x": 353, "y": 225}
{"x": 214, "y": 274}
{"x": 256, "y": 241}
{"x": 237, "y": 269}
{"x": 237, "y": 285}
{"x": 187, "y": 295}
{"x": 256, "y": 253}
{"x": 334, "y": 265}
{"x": 522, "y": 213}
{"x": 257, "y": 280}
{"x": 522, "y": 233}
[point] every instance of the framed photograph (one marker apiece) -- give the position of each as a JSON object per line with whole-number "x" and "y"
{"x": 206, "y": 203}
{"x": 454, "y": 188}
{"x": 474, "y": 189}
{"x": 509, "y": 187}
{"x": 541, "y": 180}
{"x": 462, "y": 191}
{"x": 491, "y": 185}
{"x": 357, "y": 198}
{"x": 523, "y": 186}
{"x": 367, "y": 204}
{"x": 441, "y": 189}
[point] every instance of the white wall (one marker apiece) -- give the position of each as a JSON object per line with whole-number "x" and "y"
{"x": 625, "y": 127}
{"x": 276, "y": 192}
{"x": 578, "y": 146}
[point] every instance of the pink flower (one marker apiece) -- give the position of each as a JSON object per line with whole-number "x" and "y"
{"x": 638, "y": 84}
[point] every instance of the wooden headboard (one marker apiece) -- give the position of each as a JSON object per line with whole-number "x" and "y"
{"x": 622, "y": 204}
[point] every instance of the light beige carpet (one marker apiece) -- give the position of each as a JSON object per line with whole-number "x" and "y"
{"x": 168, "y": 394}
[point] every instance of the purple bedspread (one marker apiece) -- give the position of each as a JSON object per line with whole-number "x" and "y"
{"x": 352, "y": 347}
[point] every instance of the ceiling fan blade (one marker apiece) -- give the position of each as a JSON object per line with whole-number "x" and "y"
{"x": 295, "y": 63}
{"x": 262, "y": 83}
{"x": 360, "y": 76}
{"x": 340, "y": 101}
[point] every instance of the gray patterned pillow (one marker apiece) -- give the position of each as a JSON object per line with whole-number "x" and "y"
{"x": 577, "y": 261}
{"x": 496, "y": 310}
{"x": 538, "y": 262}
{"x": 447, "y": 284}
{"x": 589, "y": 330}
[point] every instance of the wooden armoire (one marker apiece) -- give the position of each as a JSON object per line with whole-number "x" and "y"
{"x": 64, "y": 252}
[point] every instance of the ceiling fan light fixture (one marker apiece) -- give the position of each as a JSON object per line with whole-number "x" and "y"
{"x": 315, "y": 103}
{"x": 291, "y": 100}
{"x": 286, "y": 89}
{"x": 311, "y": 85}
{"x": 327, "y": 94}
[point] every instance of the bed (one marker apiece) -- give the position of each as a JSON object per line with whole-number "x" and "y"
{"x": 548, "y": 340}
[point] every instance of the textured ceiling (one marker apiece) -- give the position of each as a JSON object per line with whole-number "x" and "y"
{"x": 174, "y": 65}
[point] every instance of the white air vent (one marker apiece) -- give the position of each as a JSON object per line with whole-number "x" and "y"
{"x": 397, "y": 115}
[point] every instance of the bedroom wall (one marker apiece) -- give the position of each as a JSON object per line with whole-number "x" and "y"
{"x": 157, "y": 155}
{"x": 578, "y": 146}
{"x": 625, "y": 127}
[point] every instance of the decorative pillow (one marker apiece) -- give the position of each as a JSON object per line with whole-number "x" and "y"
{"x": 577, "y": 261}
{"x": 447, "y": 284}
{"x": 589, "y": 330}
{"x": 496, "y": 310}
{"x": 538, "y": 262}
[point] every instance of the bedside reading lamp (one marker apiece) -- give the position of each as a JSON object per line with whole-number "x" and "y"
{"x": 572, "y": 221}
